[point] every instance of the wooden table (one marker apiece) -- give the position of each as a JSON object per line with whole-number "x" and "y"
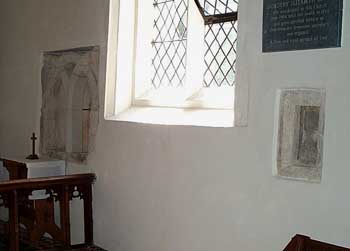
{"x": 21, "y": 168}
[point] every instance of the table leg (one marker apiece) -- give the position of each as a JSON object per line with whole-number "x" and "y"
{"x": 88, "y": 217}
{"x": 64, "y": 214}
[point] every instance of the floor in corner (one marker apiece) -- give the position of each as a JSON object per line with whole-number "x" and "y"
{"x": 45, "y": 244}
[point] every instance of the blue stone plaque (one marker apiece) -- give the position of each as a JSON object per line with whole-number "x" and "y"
{"x": 302, "y": 24}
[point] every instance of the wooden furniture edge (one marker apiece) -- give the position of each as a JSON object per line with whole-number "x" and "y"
{"x": 300, "y": 242}
{"x": 37, "y": 183}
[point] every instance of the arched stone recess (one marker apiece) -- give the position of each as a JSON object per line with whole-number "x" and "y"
{"x": 70, "y": 103}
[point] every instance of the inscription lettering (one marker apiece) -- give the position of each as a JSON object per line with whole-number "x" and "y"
{"x": 301, "y": 24}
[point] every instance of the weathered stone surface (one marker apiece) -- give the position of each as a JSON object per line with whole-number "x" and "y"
{"x": 300, "y": 134}
{"x": 70, "y": 103}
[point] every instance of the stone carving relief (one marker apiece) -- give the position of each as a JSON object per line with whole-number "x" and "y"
{"x": 70, "y": 103}
{"x": 300, "y": 134}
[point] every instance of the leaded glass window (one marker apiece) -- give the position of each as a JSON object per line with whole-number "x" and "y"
{"x": 185, "y": 53}
{"x": 220, "y": 17}
{"x": 220, "y": 54}
{"x": 170, "y": 43}
{"x": 216, "y": 7}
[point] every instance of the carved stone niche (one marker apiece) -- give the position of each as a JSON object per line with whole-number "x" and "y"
{"x": 70, "y": 103}
{"x": 299, "y": 139}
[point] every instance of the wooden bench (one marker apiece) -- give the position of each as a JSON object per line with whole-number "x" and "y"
{"x": 305, "y": 243}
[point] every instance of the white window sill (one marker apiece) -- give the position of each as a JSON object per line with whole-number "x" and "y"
{"x": 177, "y": 116}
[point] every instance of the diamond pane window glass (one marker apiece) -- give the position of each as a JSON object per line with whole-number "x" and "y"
{"x": 220, "y": 54}
{"x": 216, "y": 7}
{"x": 169, "y": 43}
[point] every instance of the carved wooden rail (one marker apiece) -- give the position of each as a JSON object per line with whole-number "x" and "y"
{"x": 14, "y": 195}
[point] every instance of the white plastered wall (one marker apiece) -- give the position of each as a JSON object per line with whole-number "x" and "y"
{"x": 181, "y": 188}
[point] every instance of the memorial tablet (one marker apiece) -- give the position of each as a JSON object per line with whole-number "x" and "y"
{"x": 302, "y": 24}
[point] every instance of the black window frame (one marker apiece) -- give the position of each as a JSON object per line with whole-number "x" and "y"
{"x": 217, "y": 18}
{"x": 220, "y": 66}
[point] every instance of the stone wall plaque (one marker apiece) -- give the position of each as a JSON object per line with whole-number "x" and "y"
{"x": 301, "y": 24}
{"x": 300, "y": 134}
{"x": 70, "y": 103}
